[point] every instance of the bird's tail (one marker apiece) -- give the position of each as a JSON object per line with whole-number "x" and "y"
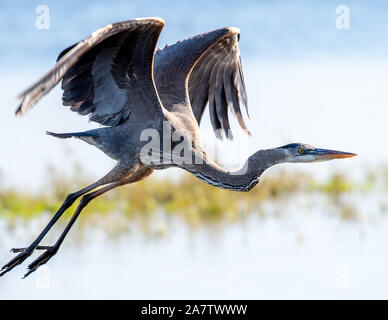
{"x": 91, "y": 133}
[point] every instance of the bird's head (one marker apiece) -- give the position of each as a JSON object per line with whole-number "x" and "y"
{"x": 300, "y": 152}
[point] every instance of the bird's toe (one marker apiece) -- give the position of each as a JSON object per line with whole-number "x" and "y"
{"x": 15, "y": 261}
{"x": 41, "y": 260}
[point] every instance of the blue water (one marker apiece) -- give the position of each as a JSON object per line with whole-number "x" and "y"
{"x": 297, "y": 29}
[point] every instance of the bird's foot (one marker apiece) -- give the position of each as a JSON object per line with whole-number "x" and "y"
{"x": 15, "y": 250}
{"x": 23, "y": 255}
{"x": 42, "y": 259}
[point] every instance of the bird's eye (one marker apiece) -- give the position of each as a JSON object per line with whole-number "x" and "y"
{"x": 301, "y": 150}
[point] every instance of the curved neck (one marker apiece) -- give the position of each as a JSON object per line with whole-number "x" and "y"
{"x": 243, "y": 179}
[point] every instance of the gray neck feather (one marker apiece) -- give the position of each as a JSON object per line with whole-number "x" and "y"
{"x": 241, "y": 180}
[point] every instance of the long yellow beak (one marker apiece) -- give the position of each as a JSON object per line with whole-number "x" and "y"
{"x": 325, "y": 154}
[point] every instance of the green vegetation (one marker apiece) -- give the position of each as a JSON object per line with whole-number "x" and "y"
{"x": 189, "y": 199}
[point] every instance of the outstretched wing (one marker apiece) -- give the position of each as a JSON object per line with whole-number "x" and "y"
{"x": 108, "y": 75}
{"x": 205, "y": 69}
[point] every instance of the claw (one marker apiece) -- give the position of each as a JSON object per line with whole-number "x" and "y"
{"x": 28, "y": 273}
{"x": 15, "y": 261}
{"x": 16, "y": 250}
{"x": 24, "y": 253}
{"x": 41, "y": 260}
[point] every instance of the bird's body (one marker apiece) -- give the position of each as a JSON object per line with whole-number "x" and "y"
{"x": 151, "y": 106}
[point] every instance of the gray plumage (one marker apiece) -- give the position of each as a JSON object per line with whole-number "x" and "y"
{"x": 114, "y": 77}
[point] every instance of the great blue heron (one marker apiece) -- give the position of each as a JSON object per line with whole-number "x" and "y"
{"x": 115, "y": 77}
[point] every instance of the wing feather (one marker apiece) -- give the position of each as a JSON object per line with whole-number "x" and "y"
{"x": 107, "y": 75}
{"x": 205, "y": 69}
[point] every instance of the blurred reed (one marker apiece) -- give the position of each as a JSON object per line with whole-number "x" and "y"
{"x": 190, "y": 200}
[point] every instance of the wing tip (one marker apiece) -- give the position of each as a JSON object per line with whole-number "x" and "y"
{"x": 228, "y": 32}
{"x": 127, "y": 23}
{"x": 156, "y": 20}
{"x": 21, "y": 109}
{"x": 18, "y": 111}
{"x": 233, "y": 30}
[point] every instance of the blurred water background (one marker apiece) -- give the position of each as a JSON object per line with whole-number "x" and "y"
{"x": 308, "y": 231}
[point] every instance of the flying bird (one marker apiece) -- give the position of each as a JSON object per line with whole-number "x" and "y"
{"x": 150, "y": 105}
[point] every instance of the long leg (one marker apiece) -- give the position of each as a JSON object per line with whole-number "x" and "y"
{"x": 51, "y": 251}
{"x": 112, "y": 176}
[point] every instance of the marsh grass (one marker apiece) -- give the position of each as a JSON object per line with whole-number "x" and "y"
{"x": 188, "y": 199}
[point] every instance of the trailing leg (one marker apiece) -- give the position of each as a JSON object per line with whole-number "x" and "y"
{"x": 51, "y": 251}
{"x": 111, "y": 177}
